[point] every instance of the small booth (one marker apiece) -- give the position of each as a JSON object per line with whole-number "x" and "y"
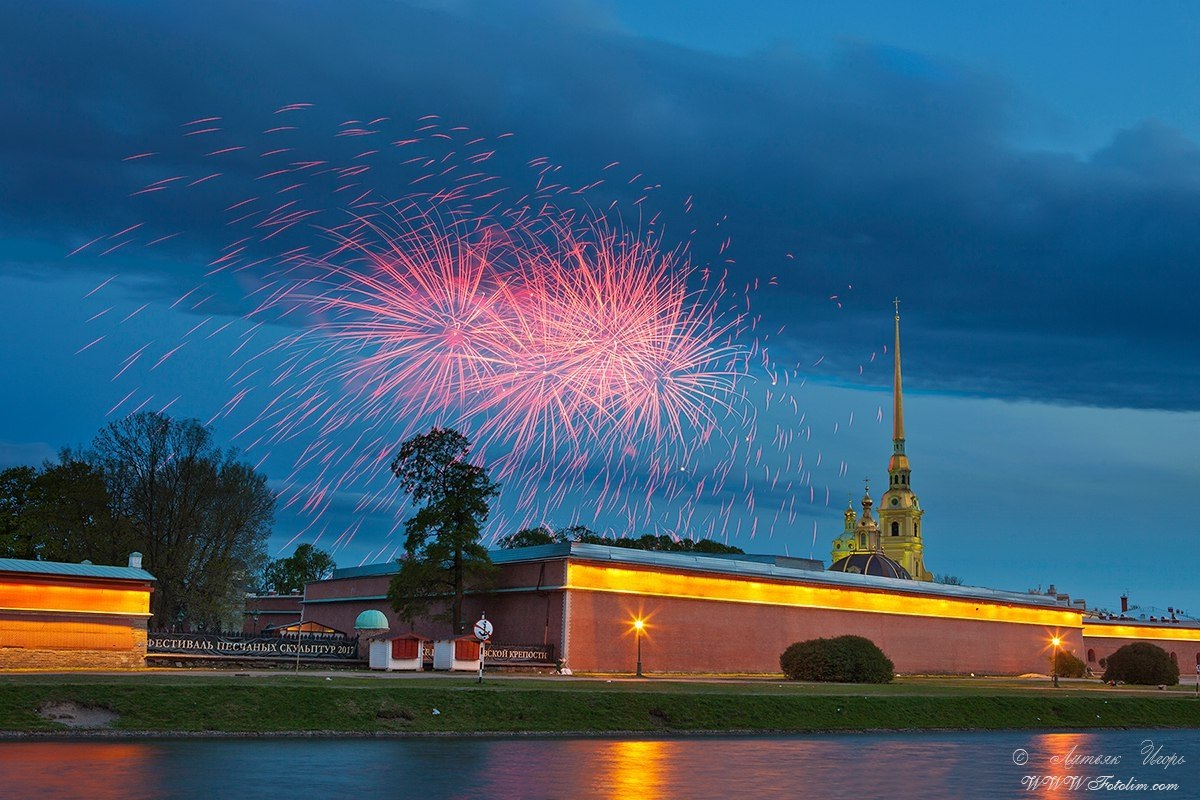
{"x": 459, "y": 653}
{"x": 402, "y": 652}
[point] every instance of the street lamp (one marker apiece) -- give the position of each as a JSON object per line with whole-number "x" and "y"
{"x": 1054, "y": 664}
{"x": 638, "y": 625}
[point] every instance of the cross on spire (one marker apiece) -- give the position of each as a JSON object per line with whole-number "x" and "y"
{"x": 896, "y": 303}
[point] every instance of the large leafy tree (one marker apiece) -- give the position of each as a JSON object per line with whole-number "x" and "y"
{"x": 17, "y": 536}
{"x": 61, "y": 512}
{"x": 199, "y": 515}
{"x": 307, "y": 563}
{"x": 443, "y": 555}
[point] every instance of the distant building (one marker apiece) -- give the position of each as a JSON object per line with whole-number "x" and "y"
{"x": 73, "y": 616}
{"x": 264, "y": 611}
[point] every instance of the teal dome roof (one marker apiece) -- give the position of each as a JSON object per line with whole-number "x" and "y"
{"x": 371, "y": 620}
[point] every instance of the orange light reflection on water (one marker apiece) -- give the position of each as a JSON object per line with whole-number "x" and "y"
{"x": 636, "y": 769}
{"x": 79, "y": 769}
{"x": 1056, "y": 756}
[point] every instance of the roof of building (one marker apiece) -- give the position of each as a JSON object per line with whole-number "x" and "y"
{"x": 371, "y": 620}
{"x": 702, "y": 562}
{"x": 74, "y": 570}
{"x": 871, "y": 564}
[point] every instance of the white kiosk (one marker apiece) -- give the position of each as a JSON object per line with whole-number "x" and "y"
{"x": 459, "y": 653}
{"x": 402, "y": 652}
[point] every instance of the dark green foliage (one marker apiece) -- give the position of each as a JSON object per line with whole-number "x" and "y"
{"x": 200, "y": 516}
{"x": 668, "y": 544}
{"x": 306, "y": 564}
{"x": 1068, "y": 666}
{"x": 578, "y": 533}
{"x": 157, "y": 486}
{"x": 443, "y": 556}
{"x": 62, "y": 512}
{"x": 1142, "y": 663}
{"x": 842, "y": 659}
{"x": 528, "y": 537}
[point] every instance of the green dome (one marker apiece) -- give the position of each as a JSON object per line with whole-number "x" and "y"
{"x": 371, "y": 620}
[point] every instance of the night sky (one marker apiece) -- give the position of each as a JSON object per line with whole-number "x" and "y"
{"x": 1024, "y": 176}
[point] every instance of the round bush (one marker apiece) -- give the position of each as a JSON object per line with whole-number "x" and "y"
{"x": 843, "y": 659}
{"x": 1142, "y": 663}
{"x": 1068, "y": 666}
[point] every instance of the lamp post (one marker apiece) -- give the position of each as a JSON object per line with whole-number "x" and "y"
{"x": 1054, "y": 664}
{"x": 638, "y": 625}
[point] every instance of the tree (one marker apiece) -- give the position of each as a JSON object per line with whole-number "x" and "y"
{"x": 62, "y": 512}
{"x": 543, "y": 534}
{"x": 948, "y": 580}
{"x": 1142, "y": 663}
{"x": 1068, "y": 665}
{"x": 17, "y": 539}
{"x": 199, "y": 515}
{"x": 307, "y": 563}
{"x": 529, "y": 537}
{"x": 443, "y": 555}
{"x": 842, "y": 659}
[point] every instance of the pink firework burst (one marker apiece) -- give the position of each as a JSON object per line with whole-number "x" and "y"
{"x": 549, "y": 346}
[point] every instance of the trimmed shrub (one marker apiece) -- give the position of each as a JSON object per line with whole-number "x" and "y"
{"x": 1142, "y": 663}
{"x": 1069, "y": 666}
{"x": 843, "y": 659}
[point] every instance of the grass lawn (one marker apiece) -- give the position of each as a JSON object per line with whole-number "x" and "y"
{"x": 348, "y": 702}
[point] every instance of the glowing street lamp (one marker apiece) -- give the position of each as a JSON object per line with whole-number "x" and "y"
{"x": 1054, "y": 664}
{"x": 638, "y": 625}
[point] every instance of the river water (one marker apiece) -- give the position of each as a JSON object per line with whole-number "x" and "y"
{"x": 901, "y": 766}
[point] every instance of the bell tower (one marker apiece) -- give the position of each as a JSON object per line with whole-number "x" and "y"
{"x": 899, "y": 509}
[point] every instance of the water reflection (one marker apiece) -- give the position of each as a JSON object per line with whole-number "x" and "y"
{"x": 636, "y": 768}
{"x": 1052, "y": 764}
{"x": 69, "y": 770}
{"x": 903, "y": 766}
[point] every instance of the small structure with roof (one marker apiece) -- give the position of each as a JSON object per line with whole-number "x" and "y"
{"x": 459, "y": 653}
{"x": 402, "y": 652}
{"x": 55, "y": 615}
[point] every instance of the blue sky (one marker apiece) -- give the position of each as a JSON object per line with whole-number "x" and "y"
{"x": 1026, "y": 177}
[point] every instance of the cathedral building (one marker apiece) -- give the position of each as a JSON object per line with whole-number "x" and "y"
{"x": 893, "y": 547}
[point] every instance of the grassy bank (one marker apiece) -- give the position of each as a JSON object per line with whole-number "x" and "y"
{"x": 161, "y": 703}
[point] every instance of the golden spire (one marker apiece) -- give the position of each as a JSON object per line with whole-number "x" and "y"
{"x": 897, "y": 393}
{"x": 899, "y": 461}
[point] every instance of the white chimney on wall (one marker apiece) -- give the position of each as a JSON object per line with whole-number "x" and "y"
{"x": 135, "y": 560}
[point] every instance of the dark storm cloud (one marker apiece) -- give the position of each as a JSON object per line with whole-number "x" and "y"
{"x": 1024, "y": 274}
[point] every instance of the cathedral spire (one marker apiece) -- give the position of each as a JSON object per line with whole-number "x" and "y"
{"x": 897, "y": 391}
{"x": 899, "y": 461}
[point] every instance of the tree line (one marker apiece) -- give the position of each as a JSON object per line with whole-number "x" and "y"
{"x": 201, "y": 518}
{"x": 148, "y": 483}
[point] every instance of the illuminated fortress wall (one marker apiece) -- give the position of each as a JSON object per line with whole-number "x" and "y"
{"x": 1103, "y": 637}
{"x": 72, "y": 616}
{"x": 697, "y": 622}
{"x": 705, "y": 614}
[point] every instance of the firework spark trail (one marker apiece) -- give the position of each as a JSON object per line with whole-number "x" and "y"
{"x": 583, "y": 358}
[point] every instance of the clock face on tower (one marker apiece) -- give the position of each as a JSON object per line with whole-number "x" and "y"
{"x": 895, "y": 501}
